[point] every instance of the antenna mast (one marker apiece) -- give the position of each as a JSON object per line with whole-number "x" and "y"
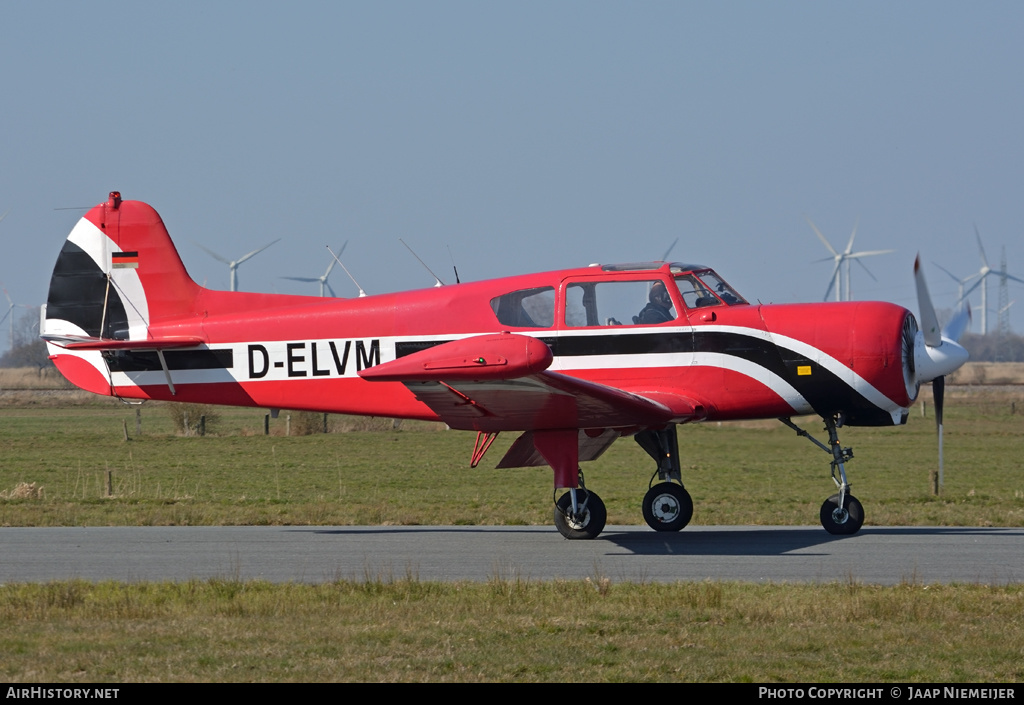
{"x": 361, "y": 292}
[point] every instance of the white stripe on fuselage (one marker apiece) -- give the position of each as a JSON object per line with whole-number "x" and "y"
{"x": 343, "y": 358}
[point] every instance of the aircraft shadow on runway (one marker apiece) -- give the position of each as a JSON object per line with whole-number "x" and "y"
{"x": 695, "y": 541}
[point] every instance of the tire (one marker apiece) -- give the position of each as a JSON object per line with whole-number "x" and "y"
{"x": 837, "y": 524}
{"x": 667, "y": 507}
{"x": 586, "y": 527}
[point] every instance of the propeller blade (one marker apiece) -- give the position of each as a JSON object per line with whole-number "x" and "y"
{"x": 939, "y": 355}
{"x": 939, "y": 390}
{"x": 956, "y": 326}
{"x": 929, "y": 321}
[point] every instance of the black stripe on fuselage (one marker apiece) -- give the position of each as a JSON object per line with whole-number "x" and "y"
{"x": 823, "y": 390}
{"x": 149, "y": 361}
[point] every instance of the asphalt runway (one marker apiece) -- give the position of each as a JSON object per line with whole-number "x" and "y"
{"x": 876, "y": 555}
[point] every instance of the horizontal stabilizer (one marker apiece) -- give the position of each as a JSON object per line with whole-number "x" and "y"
{"x": 90, "y": 343}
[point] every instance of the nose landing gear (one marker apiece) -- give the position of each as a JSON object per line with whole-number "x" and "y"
{"x": 841, "y": 514}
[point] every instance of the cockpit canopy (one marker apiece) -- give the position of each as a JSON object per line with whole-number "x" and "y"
{"x": 618, "y": 298}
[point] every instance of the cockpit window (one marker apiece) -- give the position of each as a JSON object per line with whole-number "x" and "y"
{"x": 526, "y": 308}
{"x": 704, "y": 287}
{"x": 617, "y": 303}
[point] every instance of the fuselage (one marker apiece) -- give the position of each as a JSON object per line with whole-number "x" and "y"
{"x": 739, "y": 361}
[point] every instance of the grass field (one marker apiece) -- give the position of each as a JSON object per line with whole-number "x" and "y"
{"x": 66, "y": 462}
{"x": 58, "y": 449}
{"x": 575, "y": 632}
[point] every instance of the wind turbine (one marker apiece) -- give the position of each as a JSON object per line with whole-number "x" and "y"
{"x": 10, "y": 309}
{"x": 983, "y": 275}
{"x": 233, "y": 265}
{"x": 10, "y": 314}
{"x": 322, "y": 279}
{"x": 841, "y": 271}
{"x": 960, "y": 283}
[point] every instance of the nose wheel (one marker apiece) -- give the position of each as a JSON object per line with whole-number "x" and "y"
{"x": 667, "y": 507}
{"x": 842, "y": 520}
{"x": 841, "y": 514}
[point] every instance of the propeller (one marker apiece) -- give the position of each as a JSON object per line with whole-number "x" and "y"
{"x": 937, "y": 352}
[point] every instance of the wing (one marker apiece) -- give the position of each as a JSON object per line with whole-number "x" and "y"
{"x": 501, "y": 382}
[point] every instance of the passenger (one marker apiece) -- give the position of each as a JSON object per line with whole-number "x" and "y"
{"x": 659, "y": 308}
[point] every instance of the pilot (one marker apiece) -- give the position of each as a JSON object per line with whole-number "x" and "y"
{"x": 726, "y": 296}
{"x": 658, "y": 310}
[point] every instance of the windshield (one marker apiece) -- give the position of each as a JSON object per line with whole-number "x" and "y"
{"x": 704, "y": 287}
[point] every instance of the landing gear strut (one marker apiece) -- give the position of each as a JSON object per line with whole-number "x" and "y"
{"x": 841, "y": 514}
{"x": 667, "y": 505}
{"x": 580, "y": 513}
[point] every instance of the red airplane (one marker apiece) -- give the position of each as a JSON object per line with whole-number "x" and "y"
{"x": 571, "y": 359}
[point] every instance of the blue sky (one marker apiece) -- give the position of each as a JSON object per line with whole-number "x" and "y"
{"x": 523, "y": 136}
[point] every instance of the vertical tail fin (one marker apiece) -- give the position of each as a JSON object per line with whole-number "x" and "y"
{"x": 118, "y": 283}
{"x": 117, "y": 276}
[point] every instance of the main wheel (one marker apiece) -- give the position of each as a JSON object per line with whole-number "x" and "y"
{"x": 588, "y": 524}
{"x": 667, "y": 507}
{"x": 842, "y": 521}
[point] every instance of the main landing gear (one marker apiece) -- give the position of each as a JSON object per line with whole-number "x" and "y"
{"x": 841, "y": 514}
{"x": 580, "y": 513}
{"x": 667, "y": 505}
